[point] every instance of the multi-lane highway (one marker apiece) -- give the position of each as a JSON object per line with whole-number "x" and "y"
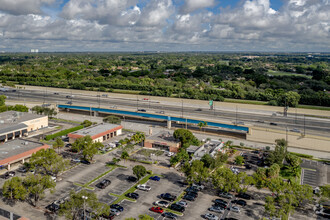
{"x": 298, "y": 123}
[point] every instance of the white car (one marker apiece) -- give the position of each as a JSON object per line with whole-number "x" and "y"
{"x": 235, "y": 209}
{"x": 170, "y": 154}
{"x": 115, "y": 211}
{"x": 53, "y": 178}
{"x": 216, "y": 209}
{"x": 162, "y": 203}
{"x": 143, "y": 187}
{"x": 210, "y": 216}
{"x": 182, "y": 203}
{"x": 197, "y": 186}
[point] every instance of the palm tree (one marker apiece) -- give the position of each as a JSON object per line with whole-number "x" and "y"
{"x": 202, "y": 124}
{"x": 58, "y": 144}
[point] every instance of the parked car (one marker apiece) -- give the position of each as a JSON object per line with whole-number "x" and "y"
{"x": 109, "y": 217}
{"x": 198, "y": 186}
{"x": 226, "y": 195}
{"x": 132, "y": 179}
{"x": 22, "y": 169}
{"x": 85, "y": 162}
{"x": 143, "y": 187}
{"x": 162, "y": 203}
{"x": 192, "y": 194}
{"x": 132, "y": 195}
{"x": 216, "y": 209}
{"x": 221, "y": 201}
{"x": 170, "y": 154}
{"x": 182, "y": 203}
{"x": 183, "y": 183}
{"x": 191, "y": 189}
{"x": 177, "y": 207}
{"x": 53, "y": 207}
{"x": 210, "y": 216}
{"x": 118, "y": 207}
{"x": 155, "y": 178}
{"x": 244, "y": 196}
{"x": 103, "y": 184}
{"x": 248, "y": 166}
{"x": 9, "y": 174}
{"x": 239, "y": 202}
{"x": 157, "y": 209}
{"x": 115, "y": 211}
{"x": 170, "y": 215}
{"x": 189, "y": 197}
{"x": 235, "y": 209}
{"x": 168, "y": 196}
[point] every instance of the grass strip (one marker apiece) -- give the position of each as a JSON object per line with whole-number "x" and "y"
{"x": 130, "y": 190}
{"x": 141, "y": 161}
{"x": 102, "y": 175}
{"x": 63, "y": 132}
{"x": 179, "y": 197}
{"x": 87, "y": 187}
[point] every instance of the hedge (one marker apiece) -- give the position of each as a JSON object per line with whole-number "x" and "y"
{"x": 302, "y": 155}
{"x": 64, "y": 132}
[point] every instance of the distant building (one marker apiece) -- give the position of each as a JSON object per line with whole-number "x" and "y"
{"x": 212, "y": 147}
{"x": 18, "y": 124}
{"x": 17, "y": 151}
{"x": 34, "y": 50}
{"x": 99, "y": 133}
{"x": 164, "y": 141}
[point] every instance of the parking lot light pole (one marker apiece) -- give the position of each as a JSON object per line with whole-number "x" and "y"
{"x": 84, "y": 198}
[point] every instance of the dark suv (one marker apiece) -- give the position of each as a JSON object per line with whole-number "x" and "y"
{"x": 177, "y": 207}
{"x": 132, "y": 179}
{"x": 103, "y": 184}
{"x": 168, "y": 197}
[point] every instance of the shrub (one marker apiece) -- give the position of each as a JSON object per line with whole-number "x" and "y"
{"x": 64, "y": 132}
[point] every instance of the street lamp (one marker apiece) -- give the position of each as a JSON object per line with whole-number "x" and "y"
{"x": 84, "y": 198}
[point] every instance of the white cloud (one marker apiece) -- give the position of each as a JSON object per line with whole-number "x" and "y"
{"x": 193, "y": 5}
{"x": 23, "y": 7}
{"x": 156, "y": 12}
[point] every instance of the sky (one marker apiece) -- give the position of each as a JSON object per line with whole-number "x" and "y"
{"x": 165, "y": 25}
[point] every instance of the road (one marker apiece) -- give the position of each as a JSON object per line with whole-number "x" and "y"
{"x": 303, "y": 124}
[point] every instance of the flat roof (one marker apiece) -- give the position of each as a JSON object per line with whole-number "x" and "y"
{"x": 192, "y": 148}
{"x": 17, "y": 146}
{"x": 164, "y": 136}
{"x": 12, "y": 120}
{"x": 96, "y": 129}
{"x": 13, "y": 127}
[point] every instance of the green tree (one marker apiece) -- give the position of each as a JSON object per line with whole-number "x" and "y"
{"x": 239, "y": 160}
{"x": 202, "y": 124}
{"x": 2, "y": 100}
{"x": 124, "y": 155}
{"x": 86, "y": 123}
{"x": 21, "y": 108}
{"x": 145, "y": 217}
{"x": 182, "y": 155}
{"x": 91, "y": 149}
{"x": 48, "y": 162}
{"x": 13, "y": 189}
{"x": 196, "y": 171}
{"x": 139, "y": 171}
{"x": 294, "y": 163}
{"x": 79, "y": 201}
{"x": 325, "y": 191}
{"x": 273, "y": 171}
{"x": 112, "y": 119}
{"x": 290, "y": 99}
{"x": 36, "y": 186}
{"x": 278, "y": 155}
{"x": 58, "y": 144}
{"x": 81, "y": 143}
{"x": 186, "y": 137}
{"x": 208, "y": 161}
{"x": 138, "y": 137}
{"x": 225, "y": 180}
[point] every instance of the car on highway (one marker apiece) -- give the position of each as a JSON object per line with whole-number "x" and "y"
{"x": 56, "y": 93}
{"x": 170, "y": 215}
{"x": 168, "y": 197}
{"x": 199, "y": 109}
{"x": 226, "y": 195}
{"x": 273, "y": 123}
{"x": 217, "y": 209}
{"x": 132, "y": 195}
{"x": 295, "y": 130}
{"x": 142, "y": 110}
{"x": 103, "y": 184}
{"x": 118, "y": 207}
{"x": 210, "y": 216}
{"x": 155, "y": 178}
{"x": 145, "y": 99}
{"x": 143, "y": 187}
{"x": 177, "y": 207}
{"x": 69, "y": 103}
{"x": 162, "y": 203}
{"x": 156, "y": 209}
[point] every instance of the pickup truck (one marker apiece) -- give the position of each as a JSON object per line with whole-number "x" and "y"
{"x": 143, "y": 187}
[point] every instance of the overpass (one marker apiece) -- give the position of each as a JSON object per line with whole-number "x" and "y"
{"x": 232, "y": 128}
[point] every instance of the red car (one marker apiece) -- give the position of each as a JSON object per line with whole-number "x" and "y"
{"x": 157, "y": 209}
{"x": 145, "y": 99}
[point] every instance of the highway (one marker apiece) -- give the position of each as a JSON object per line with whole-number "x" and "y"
{"x": 302, "y": 124}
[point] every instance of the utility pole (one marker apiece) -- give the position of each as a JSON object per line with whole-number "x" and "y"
{"x": 304, "y": 126}
{"x": 137, "y": 103}
{"x": 236, "y": 114}
{"x": 286, "y": 134}
{"x": 182, "y": 109}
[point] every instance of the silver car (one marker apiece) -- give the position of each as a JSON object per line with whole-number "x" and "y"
{"x": 217, "y": 209}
